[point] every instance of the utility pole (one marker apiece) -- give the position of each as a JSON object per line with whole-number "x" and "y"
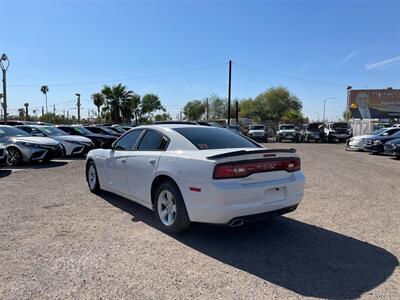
{"x": 208, "y": 109}
{"x": 54, "y": 110}
{"x": 78, "y": 104}
{"x": 42, "y": 111}
{"x": 4, "y": 66}
{"x": 67, "y": 114}
{"x": 88, "y": 113}
{"x": 237, "y": 112}
{"x": 229, "y": 92}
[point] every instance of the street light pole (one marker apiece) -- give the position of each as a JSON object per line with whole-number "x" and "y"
{"x": 330, "y": 98}
{"x": 78, "y": 104}
{"x": 4, "y": 66}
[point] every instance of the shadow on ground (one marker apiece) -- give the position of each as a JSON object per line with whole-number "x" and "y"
{"x": 39, "y": 165}
{"x": 306, "y": 259}
{"x": 4, "y": 173}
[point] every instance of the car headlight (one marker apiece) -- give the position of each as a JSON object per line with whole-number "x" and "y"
{"x": 377, "y": 142}
{"x": 26, "y": 144}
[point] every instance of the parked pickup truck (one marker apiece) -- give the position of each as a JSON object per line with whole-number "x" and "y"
{"x": 337, "y": 131}
{"x": 257, "y": 133}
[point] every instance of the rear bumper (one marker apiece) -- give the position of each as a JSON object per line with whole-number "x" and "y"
{"x": 220, "y": 202}
{"x": 394, "y": 152}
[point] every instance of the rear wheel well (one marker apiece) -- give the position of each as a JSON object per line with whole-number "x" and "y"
{"x": 157, "y": 182}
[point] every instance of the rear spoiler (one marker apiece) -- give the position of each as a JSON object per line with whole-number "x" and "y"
{"x": 244, "y": 152}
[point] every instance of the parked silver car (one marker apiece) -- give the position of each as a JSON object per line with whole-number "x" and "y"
{"x": 22, "y": 147}
{"x": 72, "y": 144}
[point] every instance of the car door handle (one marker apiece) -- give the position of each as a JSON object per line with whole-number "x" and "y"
{"x": 152, "y": 161}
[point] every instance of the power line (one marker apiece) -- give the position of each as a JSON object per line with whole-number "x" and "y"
{"x": 125, "y": 79}
{"x": 293, "y": 77}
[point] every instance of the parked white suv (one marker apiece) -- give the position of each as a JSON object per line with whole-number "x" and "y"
{"x": 287, "y": 132}
{"x": 257, "y": 132}
{"x": 340, "y": 131}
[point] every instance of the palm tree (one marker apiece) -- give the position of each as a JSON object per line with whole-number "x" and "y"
{"x": 117, "y": 97}
{"x": 26, "y": 110}
{"x": 44, "y": 89}
{"x": 98, "y": 100}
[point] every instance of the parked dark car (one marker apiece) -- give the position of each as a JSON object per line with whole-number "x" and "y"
{"x": 392, "y": 148}
{"x": 18, "y": 122}
{"x": 376, "y": 144}
{"x": 102, "y": 130}
{"x": 99, "y": 140}
{"x": 312, "y": 132}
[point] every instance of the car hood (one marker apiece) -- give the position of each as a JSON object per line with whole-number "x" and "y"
{"x": 34, "y": 140}
{"x": 261, "y": 130}
{"x": 102, "y": 136}
{"x": 72, "y": 138}
{"x": 360, "y": 137}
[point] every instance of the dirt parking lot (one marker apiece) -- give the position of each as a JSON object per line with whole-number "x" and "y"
{"x": 57, "y": 240}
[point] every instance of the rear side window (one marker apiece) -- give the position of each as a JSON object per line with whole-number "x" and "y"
{"x": 215, "y": 138}
{"x": 127, "y": 142}
{"x": 152, "y": 141}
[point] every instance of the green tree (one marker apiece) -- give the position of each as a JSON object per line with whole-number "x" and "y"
{"x": 294, "y": 117}
{"x": 162, "y": 117}
{"x": 150, "y": 104}
{"x": 134, "y": 106}
{"x": 116, "y": 98}
{"x": 274, "y": 103}
{"x": 346, "y": 115}
{"x": 218, "y": 107}
{"x": 193, "y": 110}
{"x": 44, "y": 89}
{"x": 98, "y": 101}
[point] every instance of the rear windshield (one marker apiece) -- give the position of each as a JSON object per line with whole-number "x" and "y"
{"x": 340, "y": 125}
{"x": 257, "y": 127}
{"x": 313, "y": 126}
{"x": 215, "y": 138}
{"x": 286, "y": 127}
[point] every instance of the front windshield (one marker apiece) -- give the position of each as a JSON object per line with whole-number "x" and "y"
{"x": 82, "y": 130}
{"x": 118, "y": 129}
{"x": 12, "y": 131}
{"x": 108, "y": 130}
{"x": 378, "y": 131}
{"x": 340, "y": 125}
{"x": 313, "y": 126}
{"x": 256, "y": 127}
{"x": 51, "y": 131}
{"x": 286, "y": 127}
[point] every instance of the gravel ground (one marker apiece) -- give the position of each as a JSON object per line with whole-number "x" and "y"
{"x": 57, "y": 240}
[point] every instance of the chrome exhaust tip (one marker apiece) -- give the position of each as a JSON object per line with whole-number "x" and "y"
{"x": 237, "y": 222}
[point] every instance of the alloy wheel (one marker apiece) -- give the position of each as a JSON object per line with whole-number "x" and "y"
{"x": 92, "y": 177}
{"x": 166, "y": 208}
{"x": 14, "y": 157}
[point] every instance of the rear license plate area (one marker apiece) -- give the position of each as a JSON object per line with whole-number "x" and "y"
{"x": 274, "y": 194}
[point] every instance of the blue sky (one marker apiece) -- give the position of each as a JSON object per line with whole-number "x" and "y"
{"x": 68, "y": 44}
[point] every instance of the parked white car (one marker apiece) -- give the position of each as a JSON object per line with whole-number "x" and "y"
{"x": 357, "y": 142}
{"x": 287, "y": 132}
{"x": 72, "y": 144}
{"x": 192, "y": 173}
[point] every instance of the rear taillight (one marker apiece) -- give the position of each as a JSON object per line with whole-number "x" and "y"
{"x": 246, "y": 168}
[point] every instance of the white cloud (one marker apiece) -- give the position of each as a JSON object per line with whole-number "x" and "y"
{"x": 347, "y": 58}
{"x": 384, "y": 64}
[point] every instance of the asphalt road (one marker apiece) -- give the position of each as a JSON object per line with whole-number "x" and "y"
{"x": 57, "y": 240}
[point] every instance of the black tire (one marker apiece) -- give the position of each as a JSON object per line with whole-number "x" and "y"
{"x": 181, "y": 219}
{"x": 14, "y": 157}
{"x": 94, "y": 186}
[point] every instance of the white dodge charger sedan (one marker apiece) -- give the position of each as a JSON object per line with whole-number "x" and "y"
{"x": 193, "y": 173}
